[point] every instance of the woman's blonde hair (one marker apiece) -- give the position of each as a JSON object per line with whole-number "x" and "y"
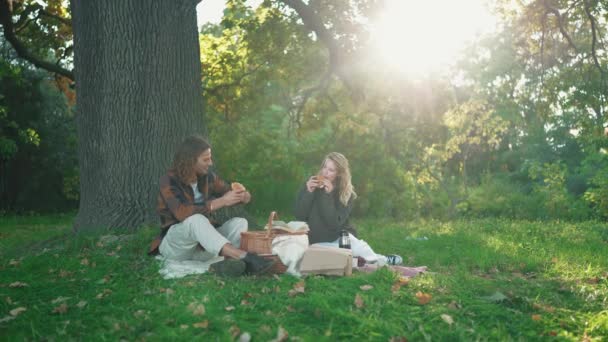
{"x": 343, "y": 177}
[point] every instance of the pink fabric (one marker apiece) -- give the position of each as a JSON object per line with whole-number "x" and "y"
{"x": 401, "y": 270}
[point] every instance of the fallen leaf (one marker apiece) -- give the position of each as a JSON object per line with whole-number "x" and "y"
{"x": 496, "y": 297}
{"x": 245, "y": 302}
{"x": 358, "y": 301}
{"x": 104, "y": 293}
{"x": 59, "y": 299}
{"x": 18, "y": 284}
{"x": 139, "y": 313}
{"x": 398, "y": 339}
{"x": 366, "y": 287}
{"x": 454, "y": 306}
{"x": 183, "y": 326}
{"x": 290, "y": 308}
{"x": 9, "y": 300}
{"x": 234, "y": 331}
{"x": 84, "y": 262}
{"x": 229, "y": 308}
{"x": 423, "y": 298}
{"x": 7, "y": 318}
{"x": 14, "y": 262}
{"x": 64, "y": 274}
{"x": 536, "y": 317}
{"x": 170, "y": 292}
{"x": 282, "y": 335}
{"x": 197, "y": 309}
{"x": 447, "y": 318}
{"x": 61, "y": 309}
{"x": 554, "y": 260}
{"x": 404, "y": 280}
{"x": 17, "y": 311}
{"x": 204, "y": 324}
{"x": 245, "y": 337}
{"x": 547, "y": 308}
{"x": 298, "y": 287}
{"x": 81, "y": 304}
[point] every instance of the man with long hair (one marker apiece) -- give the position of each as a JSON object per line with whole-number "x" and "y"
{"x": 189, "y": 193}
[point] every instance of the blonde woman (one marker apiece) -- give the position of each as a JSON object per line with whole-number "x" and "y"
{"x": 325, "y": 203}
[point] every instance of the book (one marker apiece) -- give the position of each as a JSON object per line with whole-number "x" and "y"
{"x": 290, "y": 227}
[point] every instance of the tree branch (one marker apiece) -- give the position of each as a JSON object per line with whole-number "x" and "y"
{"x": 9, "y": 34}
{"x": 312, "y": 21}
{"x": 596, "y": 61}
{"x": 560, "y": 24}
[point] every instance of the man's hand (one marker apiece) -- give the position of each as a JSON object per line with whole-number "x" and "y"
{"x": 246, "y": 197}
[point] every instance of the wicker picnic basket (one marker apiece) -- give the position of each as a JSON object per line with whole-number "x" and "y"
{"x": 260, "y": 242}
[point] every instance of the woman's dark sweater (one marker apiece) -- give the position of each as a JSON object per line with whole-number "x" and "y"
{"x": 325, "y": 214}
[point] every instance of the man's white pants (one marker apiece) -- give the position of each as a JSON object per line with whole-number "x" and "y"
{"x": 360, "y": 248}
{"x": 183, "y": 239}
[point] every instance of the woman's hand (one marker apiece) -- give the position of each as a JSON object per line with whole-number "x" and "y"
{"x": 327, "y": 185}
{"x": 312, "y": 184}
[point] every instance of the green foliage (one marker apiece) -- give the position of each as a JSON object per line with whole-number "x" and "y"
{"x": 37, "y": 143}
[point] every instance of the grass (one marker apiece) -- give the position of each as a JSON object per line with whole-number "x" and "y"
{"x": 490, "y": 279}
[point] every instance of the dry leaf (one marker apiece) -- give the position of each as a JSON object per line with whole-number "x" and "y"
{"x": 358, "y": 301}
{"x": 183, "y": 326}
{"x": 9, "y": 300}
{"x": 536, "y": 317}
{"x": 81, "y": 304}
{"x": 447, "y": 318}
{"x": 14, "y": 262}
{"x": 423, "y": 298}
{"x": 547, "y": 308}
{"x": 245, "y": 337}
{"x": 64, "y": 274}
{"x": 104, "y": 293}
{"x": 6, "y": 319}
{"x": 366, "y": 287}
{"x": 61, "y": 309}
{"x": 59, "y": 300}
{"x": 245, "y": 302}
{"x": 290, "y": 308}
{"x": 84, "y": 262}
{"x": 18, "y": 284}
{"x": 170, "y": 292}
{"x": 234, "y": 331}
{"x": 229, "y": 308}
{"x": 17, "y": 311}
{"x": 204, "y": 324}
{"x": 282, "y": 335}
{"x": 398, "y": 339}
{"x": 454, "y": 306}
{"x": 139, "y": 313}
{"x": 298, "y": 287}
{"x": 197, "y": 309}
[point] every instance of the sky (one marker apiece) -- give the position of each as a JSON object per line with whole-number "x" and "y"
{"x": 210, "y": 11}
{"x": 414, "y": 36}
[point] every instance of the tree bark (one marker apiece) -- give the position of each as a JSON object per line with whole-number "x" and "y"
{"x": 138, "y": 88}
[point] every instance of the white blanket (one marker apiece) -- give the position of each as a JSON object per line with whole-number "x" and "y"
{"x": 289, "y": 248}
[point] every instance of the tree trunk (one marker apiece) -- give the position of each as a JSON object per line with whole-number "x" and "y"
{"x": 138, "y": 86}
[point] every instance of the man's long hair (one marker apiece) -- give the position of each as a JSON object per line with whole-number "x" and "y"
{"x": 343, "y": 177}
{"x": 186, "y": 155}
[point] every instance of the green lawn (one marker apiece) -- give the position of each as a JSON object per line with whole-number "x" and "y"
{"x": 490, "y": 279}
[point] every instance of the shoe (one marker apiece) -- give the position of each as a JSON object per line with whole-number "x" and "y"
{"x": 228, "y": 268}
{"x": 257, "y": 265}
{"x": 394, "y": 259}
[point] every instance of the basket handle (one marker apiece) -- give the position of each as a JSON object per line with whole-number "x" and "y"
{"x": 273, "y": 216}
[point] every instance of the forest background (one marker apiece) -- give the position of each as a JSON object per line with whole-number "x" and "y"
{"x": 515, "y": 127}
